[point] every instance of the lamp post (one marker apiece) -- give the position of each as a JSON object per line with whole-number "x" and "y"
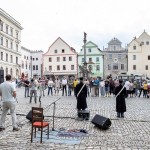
{"x": 85, "y": 63}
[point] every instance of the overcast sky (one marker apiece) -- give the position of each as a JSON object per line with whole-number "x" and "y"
{"x": 46, "y": 20}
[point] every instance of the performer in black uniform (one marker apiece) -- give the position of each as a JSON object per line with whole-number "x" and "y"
{"x": 120, "y": 100}
{"x": 81, "y": 97}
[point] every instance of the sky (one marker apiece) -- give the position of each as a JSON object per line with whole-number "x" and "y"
{"x": 43, "y": 21}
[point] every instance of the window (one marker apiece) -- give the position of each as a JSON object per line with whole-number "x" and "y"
{"x": 11, "y": 31}
{"x": 115, "y": 66}
{"x": 7, "y": 29}
{"x": 90, "y": 67}
{"x": 142, "y": 43}
{"x": 27, "y": 57}
{"x": 119, "y": 56}
{"x": 64, "y": 67}
{"x": 6, "y": 43}
{"x": 134, "y": 47}
{"x": 134, "y": 67}
{"x": 134, "y": 57}
{"x": 90, "y": 59}
{"x": 64, "y": 58}
{"x": 26, "y": 66}
{"x": 148, "y": 57}
{"x": 55, "y": 51}
{"x": 23, "y": 65}
{"x": 147, "y": 42}
{"x": 114, "y": 48}
{"x": 33, "y": 67}
{"x": 89, "y": 50}
{"x": 109, "y": 66}
{"x": 110, "y": 56}
{"x": 1, "y": 26}
{"x": 122, "y": 66}
{"x": 11, "y": 45}
{"x": 72, "y": 67}
{"x": 97, "y": 59}
{"x": 82, "y": 59}
{"x": 146, "y": 67}
{"x": 33, "y": 59}
{"x": 70, "y": 58}
{"x": 24, "y": 57}
{"x": 36, "y": 67}
{"x": 50, "y": 68}
{"x": 97, "y": 67}
{"x": 17, "y": 47}
{"x": 6, "y": 57}
{"x": 50, "y": 59}
{"x": 11, "y": 58}
{"x": 16, "y": 60}
{"x": 58, "y": 59}
{"x": 58, "y": 67}
{"x": 1, "y": 55}
{"x": 36, "y": 58}
{"x": 6, "y": 70}
{"x": 17, "y": 34}
{"x": 1, "y": 41}
{"x": 63, "y": 50}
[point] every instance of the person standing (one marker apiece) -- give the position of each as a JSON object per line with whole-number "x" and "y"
{"x": 81, "y": 94}
{"x": 120, "y": 93}
{"x": 75, "y": 82}
{"x": 64, "y": 84}
{"x": 33, "y": 90}
{"x": 50, "y": 86}
{"x": 57, "y": 87}
{"x": 26, "y": 92}
{"x": 8, "y": 94}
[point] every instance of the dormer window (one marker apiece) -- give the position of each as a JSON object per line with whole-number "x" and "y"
{"x": 142, "y": 43}
{"x": 134, "y": 47}
{"x": 147, "y": 42}
{"x": 63, "y": 50}
{"x": 89, "y": 50}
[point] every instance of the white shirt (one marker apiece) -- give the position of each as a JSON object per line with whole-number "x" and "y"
{"x": 7, "y": 89}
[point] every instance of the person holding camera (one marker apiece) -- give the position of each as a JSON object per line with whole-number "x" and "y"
{"x": 33, "y": 90}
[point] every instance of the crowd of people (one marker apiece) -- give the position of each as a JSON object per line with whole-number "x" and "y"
{"x": 80, "y": 88}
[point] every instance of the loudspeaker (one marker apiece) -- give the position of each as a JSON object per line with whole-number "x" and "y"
{"x": 29, "y": 116}
{"x": 1, "y": 76}
{"x": 101, "y": 122}
{"x": 85, "y": 114}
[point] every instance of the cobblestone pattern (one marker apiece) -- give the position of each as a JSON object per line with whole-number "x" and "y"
{"x": 129, "y": 133}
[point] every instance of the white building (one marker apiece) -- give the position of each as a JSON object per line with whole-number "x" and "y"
{"x": 10, "y": 44}
{"x": 31, "y": 62}
{"x": 60, "y": 60}
{"x": 139, "y": 55}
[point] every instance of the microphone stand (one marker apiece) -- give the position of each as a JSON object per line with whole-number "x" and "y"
{"x": 54, "y": 108}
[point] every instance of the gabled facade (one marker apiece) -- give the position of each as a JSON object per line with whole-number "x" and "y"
{"x": 115, "y": 59}
{"x": 10, "y": 45}
{"x": 60, "y": 60}
{"x": 94, "y": 59}
{"x": 31, "y": 62}
{"x": 139, "y": 55}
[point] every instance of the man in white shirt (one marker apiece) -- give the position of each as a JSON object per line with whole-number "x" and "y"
{"x": 64, "y": 84}
{"x": 8, "y": 93}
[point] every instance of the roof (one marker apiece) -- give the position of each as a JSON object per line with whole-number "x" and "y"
{"x": 114, "y": 41}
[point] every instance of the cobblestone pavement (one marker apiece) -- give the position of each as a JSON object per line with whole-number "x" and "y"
{"x": 131, "y": 132}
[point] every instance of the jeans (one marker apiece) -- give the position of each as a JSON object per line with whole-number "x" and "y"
{"x": 50, "y": 89}
{"x": 6, "y": 106}
{"x": 31, "y": 94}
{"x": 26, "y": 91}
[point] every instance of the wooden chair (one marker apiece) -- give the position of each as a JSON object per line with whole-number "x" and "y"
{"x": 37, "y": 122}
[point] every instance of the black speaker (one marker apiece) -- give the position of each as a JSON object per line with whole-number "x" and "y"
{"x": 85, "y": 114}
{"x": 29, "y": 116}
{"x": 1, "y": 76}
{"x": 101, "y": 122}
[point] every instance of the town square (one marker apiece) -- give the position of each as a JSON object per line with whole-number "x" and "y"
{"x": 74, "y": 75}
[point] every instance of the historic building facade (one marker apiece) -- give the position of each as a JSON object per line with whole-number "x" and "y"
{"x": 115, "y": 59}
{"x": 60, "y": 60}
{"x": 139, "y": 55}
{"x": 10, "y": 45}
{"x": 94, "y": 59}
{"x": 31, "y": 62}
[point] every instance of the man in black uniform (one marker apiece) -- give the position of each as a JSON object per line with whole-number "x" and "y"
{"x": 81, "y": 94}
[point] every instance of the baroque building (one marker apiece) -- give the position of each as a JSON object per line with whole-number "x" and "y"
{"x": 94, "y": 59}
{"x": 139, "y": 55}
{"x": 115, "y": 59}
{"x": 10, "y": 45}
{"x": 60, "y": 60}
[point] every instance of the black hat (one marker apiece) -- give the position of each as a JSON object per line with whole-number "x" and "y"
{"x": 81, "y": 78}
